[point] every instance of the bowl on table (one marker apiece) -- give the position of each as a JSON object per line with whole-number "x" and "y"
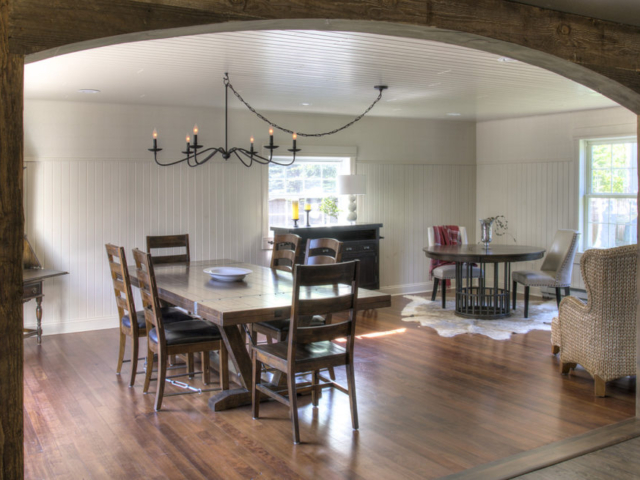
{"x": 228, "y": 274}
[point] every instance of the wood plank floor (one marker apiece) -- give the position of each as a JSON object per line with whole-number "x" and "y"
{"x": 429, "y": 406}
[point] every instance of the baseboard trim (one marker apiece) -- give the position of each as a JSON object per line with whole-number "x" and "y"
{"x": 407, "y": 289}
{"x": 85, "y": 325}
{"x": 554, "y": 453}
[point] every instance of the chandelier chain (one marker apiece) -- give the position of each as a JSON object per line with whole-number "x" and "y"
{"x": 227, "y": 83}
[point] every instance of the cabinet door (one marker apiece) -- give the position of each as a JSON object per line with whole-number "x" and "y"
{"x": 368, "y": 268}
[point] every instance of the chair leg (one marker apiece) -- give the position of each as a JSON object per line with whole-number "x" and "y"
{"x": 351, "y": 383}
{"x": 526, "y": 301}
{"x": 555, "y": 349}
{"x": 123, "y": 342}
{"x": 558, "y": 296}
{"x": 162, "y": 374}
{"x": 191, "y": 365}
{"x": 601, "y": 386}
{"x": 567, "y": 291}
{"x": 255, "y": 393}
{"x": 224, "y": 367}
{"x": 332, "y": 373}
{"x": 206, "y": 367}
{"x": 436, "y": 281}
{"x": 565, "y": 367}
{"x": 147, "y": 376}
{"x": 315, "y": 380}
{"x": 514, "y": 293}
{"x": 293, "y": 406}
{"x": 444, "y": 293}
{"x": 134, "y": 360}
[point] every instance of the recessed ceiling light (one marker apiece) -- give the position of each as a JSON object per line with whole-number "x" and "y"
{"x": 305, "y": 104}
{"x": 454, "y": 114}
{"x": 444, "y": 71}
{"x": 88, "y": 90}
{"x": 507, "y": 60}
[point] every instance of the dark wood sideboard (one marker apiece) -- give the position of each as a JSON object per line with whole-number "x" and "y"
{"x": 361, "y": 241}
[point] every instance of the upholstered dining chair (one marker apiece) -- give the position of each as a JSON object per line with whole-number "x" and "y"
{"x": 601, "y": 334}
{"x": 555, "y": 271}
{"x": 175, "y": 338}
{"x": 169, "y": 241}
{"x": 310, "y": 348}
{"x": 132, "y": 323}
{"x": 443, "y": 273}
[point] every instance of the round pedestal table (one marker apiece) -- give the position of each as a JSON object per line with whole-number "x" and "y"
{"x": 483, "y": 300}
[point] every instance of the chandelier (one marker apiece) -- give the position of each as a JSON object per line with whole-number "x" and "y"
{"x": 196, "y": 154}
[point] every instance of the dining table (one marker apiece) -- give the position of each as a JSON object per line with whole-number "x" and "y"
{"x": 482, "y": 300}
{"x": 263, "y": 295}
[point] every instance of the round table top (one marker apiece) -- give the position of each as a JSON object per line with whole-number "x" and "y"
{"x": 477, "y": 253}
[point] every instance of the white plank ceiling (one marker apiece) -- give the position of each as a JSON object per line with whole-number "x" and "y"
{"x": 312, "y": 72}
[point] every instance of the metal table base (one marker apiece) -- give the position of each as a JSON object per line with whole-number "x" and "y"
{"x": 482, "y": 301}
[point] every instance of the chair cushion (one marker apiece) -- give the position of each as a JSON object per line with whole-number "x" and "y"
{"x": 187, "y": 331}
{"x": 536, "y": 278}
{"x": 169, "y": 314}
{"x": 448, "y": 272}
{"x": 309, "y": 352}
{"x": 283, "y": 325}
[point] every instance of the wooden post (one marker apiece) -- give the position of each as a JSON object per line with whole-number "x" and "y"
{"x": 11, "y": 232}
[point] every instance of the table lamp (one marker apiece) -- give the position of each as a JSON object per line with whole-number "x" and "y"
{"x": 352, "y": 185}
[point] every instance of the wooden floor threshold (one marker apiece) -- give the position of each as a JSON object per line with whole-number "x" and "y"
{"x": 552, "y": 454}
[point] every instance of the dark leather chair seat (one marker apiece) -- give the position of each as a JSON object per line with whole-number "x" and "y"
{"x": 283, "y": 325}
{"x": 188, "y": 331}
{"x": 169, "y": 314}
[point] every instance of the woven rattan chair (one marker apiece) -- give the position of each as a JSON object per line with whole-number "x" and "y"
{"x": 601, "y": 334}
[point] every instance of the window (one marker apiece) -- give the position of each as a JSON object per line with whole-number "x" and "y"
{"x": 610, "y": 203}
{"x": 309, "y": 180}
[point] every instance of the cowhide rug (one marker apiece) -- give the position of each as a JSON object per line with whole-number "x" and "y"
{"x": 447, "y": 324}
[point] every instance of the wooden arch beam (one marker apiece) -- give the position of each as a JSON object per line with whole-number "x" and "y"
{"x": 564, "y": 43}
{"x": 600, "y": 54}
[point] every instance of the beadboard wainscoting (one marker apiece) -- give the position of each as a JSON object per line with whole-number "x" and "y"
{"x": 537, "y": 199}
{"x": 407, "y": 199}
{"x": 74, "y": 207}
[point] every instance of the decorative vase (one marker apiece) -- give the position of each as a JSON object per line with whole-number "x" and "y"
{"x": 486, "y": 233}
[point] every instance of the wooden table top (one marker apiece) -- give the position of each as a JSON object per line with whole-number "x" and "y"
{"x": 33, "y": 275}
{"x": 479, "y": 254}
{"x": 264, "y": 294}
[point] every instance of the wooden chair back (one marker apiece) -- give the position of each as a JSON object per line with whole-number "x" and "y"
{"x": 122, "y": 284}
{"x": 149, "y": 292}
{"x": 169, "y": 241}
{"x": 286, "y": 248}
{"x": 323, "y": 251}
{"x": 323, "y": 290}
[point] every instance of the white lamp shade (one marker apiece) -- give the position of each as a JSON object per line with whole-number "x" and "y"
{"x": 352, "y": 184}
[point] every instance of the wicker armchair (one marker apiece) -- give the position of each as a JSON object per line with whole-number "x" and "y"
{"x": 601, "y": 335}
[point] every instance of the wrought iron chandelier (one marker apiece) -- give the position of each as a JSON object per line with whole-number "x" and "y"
{"x": 196, "y": 154}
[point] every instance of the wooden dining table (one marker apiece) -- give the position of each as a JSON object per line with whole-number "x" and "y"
{"x": 263, "y": 295}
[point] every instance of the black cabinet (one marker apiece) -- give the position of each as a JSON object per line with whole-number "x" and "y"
{"x": 361, "y": 241}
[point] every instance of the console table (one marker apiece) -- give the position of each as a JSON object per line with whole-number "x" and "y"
{"x": 361, "y": 241}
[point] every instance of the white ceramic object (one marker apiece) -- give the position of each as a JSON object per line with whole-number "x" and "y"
{"x": 228, "y": 274}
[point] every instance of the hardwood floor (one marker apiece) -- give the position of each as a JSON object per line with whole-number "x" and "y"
{"x": 429, "y": 406}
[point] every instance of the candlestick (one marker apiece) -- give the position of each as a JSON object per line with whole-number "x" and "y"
{"x": 307, "y": 212}
{"x": 294, "y": 206}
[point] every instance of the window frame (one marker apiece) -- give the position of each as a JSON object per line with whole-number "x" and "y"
{"x": 586, "y": 169}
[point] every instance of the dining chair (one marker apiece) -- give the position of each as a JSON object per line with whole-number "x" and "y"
{"x": 555, "y": 271}
{"x": 318, "y": 251}
{"x": 132, "y": 323}
{"x": 169, "y": 241}
{"x": 601, "y": 334}
{"x": 310, "y": 348}
{"x": 174, "y": 338}
{"x": 443, "y": 272}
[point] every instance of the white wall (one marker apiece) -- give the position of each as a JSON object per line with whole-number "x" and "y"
{"x": 90, "y": 180}
{"x": 528, "y": 171}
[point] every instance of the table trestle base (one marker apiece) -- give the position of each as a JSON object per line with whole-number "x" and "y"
{"x": 482, "y": 301}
